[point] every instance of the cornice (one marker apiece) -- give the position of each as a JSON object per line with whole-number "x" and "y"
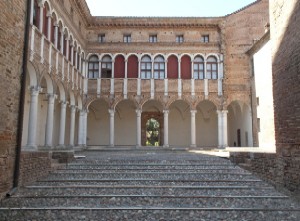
{"x": 155, "y": 22}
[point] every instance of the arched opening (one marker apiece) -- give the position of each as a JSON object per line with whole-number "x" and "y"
{"x": 212, "y": 68}
{"x": 172, "y": 67}
{"x": 239, "y": 125}
{"x": 152, "y": 132}
{"x": 152, "y": 109}
{"x": 185, "y": 67}
{"x": 125, "y": 123}
{"x": 98, "y": 123}
{"x": 36, "y": 14}
{"x": 199, "y": 67}
{"x": 93, "y": 67}
{"x": 206, "y": 124}
{"x": 159, "y": 67}
{"x": 119, "y": 67}
{"x": 146, "y": 67}
{"x": 106, "y": 67}
{"x": 133, "y": 67}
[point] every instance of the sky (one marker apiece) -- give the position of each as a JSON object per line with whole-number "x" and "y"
{"x": 165, "y": 8}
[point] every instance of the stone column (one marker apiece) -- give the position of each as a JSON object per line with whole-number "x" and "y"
{"x": 56, "y": 36}
{"x": 225, "y": 129}
{"x": 111, "y": 128}
{"x": 220, "y": 129}
{"x": 67, "y": 49}
{"x": 72, "y": 125}
{"x": 31, "y": 139}
{"x": 166, "y": 128}
{"x": 62, "y": 125}
{"x": 193, "y": 128}
{"x": 49, "y": 123}
{"x": 62, "y": 41}
{"x": 31, "y": 11}
{"x": 41, "y": 17}
{"x": 49, "y": 27}
{"x": 85, "y": 127}
{"x": 138, "y": 127}
{"x": 80, "y": 128}
{"x": 72, "y": 54}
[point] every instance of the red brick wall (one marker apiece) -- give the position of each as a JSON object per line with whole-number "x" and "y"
{"x": 12, "y": 25}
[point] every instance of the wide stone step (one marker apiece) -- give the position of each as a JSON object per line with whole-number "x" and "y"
{"x": 148, "y": 190}
{"x": 151, "y": 182}
{"x": 153, "y": 167}
{"x": 145, "y": 175}
{"x": 169, "y": 171}
{"x": 102, "y": 201}
{"x": 154, "y": 213}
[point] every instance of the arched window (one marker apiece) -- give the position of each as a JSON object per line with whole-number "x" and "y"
{"x": 198, "y": 68}
{"x": 159, "y": 67}
{"x": 106, "y": 66}
{"x": 36, "y": 14}
{"x": 212, "y": 68}
{"x": 93, "y": 68}
{"x": 146, "y": 67}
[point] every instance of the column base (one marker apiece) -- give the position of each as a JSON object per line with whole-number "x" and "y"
{"x": 193, "y": 145}
{"x": 79, "y": 147}
{"x": 166, "y": 146}
{"x": 63, "y": 156}
{"x": 30, "y": 148}
{"x": 45, "y": 148}
{"x": 222, "y": 146}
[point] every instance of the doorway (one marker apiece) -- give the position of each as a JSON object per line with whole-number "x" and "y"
{"x": 152, "y": 129}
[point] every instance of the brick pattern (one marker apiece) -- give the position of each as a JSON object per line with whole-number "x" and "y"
{"x": 33, "y": 166}
{"x": 12, "y": 23}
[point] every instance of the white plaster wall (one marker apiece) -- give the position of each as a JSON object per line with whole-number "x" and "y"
{"x": 98, "y": 124}
{"x": 206, "y": 125}
{"x": 125, "y": 124}
{"x": 41, "y": 119}
{"x": 263, "y": 84}
{"x": 179, "y": 125}
{"x": 56, "y": 122}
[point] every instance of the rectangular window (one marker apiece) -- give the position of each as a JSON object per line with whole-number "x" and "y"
{"x": 179, "y": 38}
{"x": 101, "y": 38}
{"x": 205, "y": 38}
{"x": 127, "y": 38}
{"x": 153, "y": 38}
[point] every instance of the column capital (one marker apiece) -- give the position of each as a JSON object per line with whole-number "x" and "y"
{"x": 166, "y": 111}
{"x": 111, "y": 112}
{"x": 138, "y": 111}
{"x": 73, "y": 108}
{"x": 193, "y": 111}
{"x": 225, "y": 111}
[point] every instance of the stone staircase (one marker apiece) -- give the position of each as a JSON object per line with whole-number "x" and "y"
{"x": 149, "y": 184}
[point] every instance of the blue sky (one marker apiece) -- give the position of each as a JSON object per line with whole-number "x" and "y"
{"x": 176, "y": 8}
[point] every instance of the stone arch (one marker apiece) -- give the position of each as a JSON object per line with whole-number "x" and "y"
{"x": 179, "y": 123}
{"x": 239, "y": 124}
{"x": 172, "y": 54}
{"x": 160, "y": 54}
{"x": 212, "y": 55}
{"x": 206, "y": 124}
{"x": 32, "y": 73}
{"x": 79, "y": 102}
{"x": 152, "y": 109}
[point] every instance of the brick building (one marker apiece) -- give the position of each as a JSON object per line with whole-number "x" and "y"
{"x": 110, "y": 81}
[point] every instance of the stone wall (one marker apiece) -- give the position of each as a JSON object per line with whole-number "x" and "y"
{"x": 12, "y": 24}
{"x": 34, "y": 165}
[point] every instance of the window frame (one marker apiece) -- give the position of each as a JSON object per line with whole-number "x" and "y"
{"x": 127, "y": 38}
{"x": 210, "y": 72}
{"x": 146, "y": 72}
{"x": 205, "y": 38}
{"x": 179, "y": 39}
{"x": 200, "y": 73}
{"x": 101, "y": 38}
{"x": 95, "y": 71}
{"x": 160, "y": 71}
{"x": 152, "y": 38}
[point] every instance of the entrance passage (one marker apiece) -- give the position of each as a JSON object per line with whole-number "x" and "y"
{"x": 152, "y": 132}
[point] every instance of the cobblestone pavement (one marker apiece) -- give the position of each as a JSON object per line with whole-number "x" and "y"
{"x": 149, "y": 185}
